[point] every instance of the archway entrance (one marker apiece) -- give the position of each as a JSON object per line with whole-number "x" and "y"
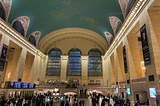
{"x": 141, "y": 96}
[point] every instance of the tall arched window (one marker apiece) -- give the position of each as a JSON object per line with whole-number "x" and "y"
{"x": 54, "y": 63}
{"x": 18, "y": 27}
{"x": 2, "y": 11}
{"x": 74, "y": 62}
{"x": 32, "y": 40}
{"x": 94, "y": 63}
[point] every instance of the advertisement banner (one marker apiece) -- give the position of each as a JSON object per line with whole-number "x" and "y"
{"x": 125, "y": 59}
{"x": 145, "y": 48}
{"x": 3, "y": 56}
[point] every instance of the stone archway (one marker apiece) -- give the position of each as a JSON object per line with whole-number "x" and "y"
{"x": 141, "y": 96}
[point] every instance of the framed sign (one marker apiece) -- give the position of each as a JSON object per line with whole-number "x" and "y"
{"x": 3, "y": 56}
{"x": 152, "y": 92}
{"x": 125, "y": 59}
{"x": 145, "y": 48}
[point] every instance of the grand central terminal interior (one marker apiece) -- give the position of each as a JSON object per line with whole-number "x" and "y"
{"x": 68, "y": 52}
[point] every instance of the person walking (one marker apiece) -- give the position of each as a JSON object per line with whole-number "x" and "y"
{"x": 51, "y": 103}
{"x": 83, "y": 102}
{"x": 47, "y": 104}
{"x": 80, "y": 103}
{"x": 111, "y": 101}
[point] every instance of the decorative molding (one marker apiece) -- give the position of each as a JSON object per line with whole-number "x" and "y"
{"x": 67, "y": 33}
{"x": 7, "y": 7}
{"x": 124, "y": 6}
{"x": 84, "y": 57}
{"x": 24, "y": 21}
{"x": 114, "y": 23}
{"x": 52, "y": 43}
{"x": 37, "y": 35}
{"x": 109, "y": 37}
{"x": 64, "y": 57}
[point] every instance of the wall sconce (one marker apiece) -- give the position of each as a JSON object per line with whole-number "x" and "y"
{"x": 9, "y": 75}
{"x": 142, "y": 65}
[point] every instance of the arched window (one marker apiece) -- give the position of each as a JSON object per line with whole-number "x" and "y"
{"x": 119, "y": 24}
{"x": 131, "y": 4}
{"x": 2, "y": 11}
{"x": 74, "y": 62}
{"x": 54, "y": 63}
{"x": 94, "y": 63}
{"x": 18, "y": 27}
{"x": 32, "y": 40}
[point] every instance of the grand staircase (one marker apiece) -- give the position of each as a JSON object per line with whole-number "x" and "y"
{"x": 83, "y": 95}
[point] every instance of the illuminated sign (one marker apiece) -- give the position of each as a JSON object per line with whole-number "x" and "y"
{"x": 117, "y": 90}
{"x": 31, "y": 85}
{"x": 25, "y": 85}
{"x": 152, "y": 92}
{"x": 18, "y": 85}
{"x": 128, "y": 91}
{"x": 12, "y": 83}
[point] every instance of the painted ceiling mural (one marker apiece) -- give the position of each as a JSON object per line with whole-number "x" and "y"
{"x": 50, "y": 15}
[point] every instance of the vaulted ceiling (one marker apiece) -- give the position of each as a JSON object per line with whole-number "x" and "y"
{"x": 50, "y": 15}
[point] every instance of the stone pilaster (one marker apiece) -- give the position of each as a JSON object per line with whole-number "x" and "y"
{"x": 112, "y": 63}
{"x": 27, "y": 68}
{"x": 20, "y": 55}
{"x": 64, "y": 62}
{"x": 129, "y": 69}
{"x": 104, "y": 70}
{"x": 43, "y": 67}
{"x": 84, "y": 70}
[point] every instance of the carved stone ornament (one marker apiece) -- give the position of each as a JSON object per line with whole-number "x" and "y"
{"x": 37, "y": 35}
{"x": 124, "y": 6}
{"x": 7, "y": 7}
{"x": 109, "y": 37}
{"x": 114, "y": 23}
{"x": 24, "y": 21}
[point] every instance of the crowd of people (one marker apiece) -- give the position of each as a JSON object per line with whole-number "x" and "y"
{"x": 26, "y": 100}
{"x": 97, "y": 99}
{"x": 75, "y": 101}
{"x": 109, "y": 100}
